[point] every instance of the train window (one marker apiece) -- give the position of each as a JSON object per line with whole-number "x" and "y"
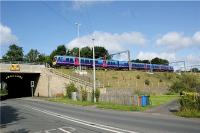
{"x": 82, "y": 60}
{"x": 71, "y": 60}
{"x": 86, "y": 61}
{"x": 67, "y": 59}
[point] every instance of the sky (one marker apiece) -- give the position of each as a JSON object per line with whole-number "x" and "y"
{"x": 168, "y": 30}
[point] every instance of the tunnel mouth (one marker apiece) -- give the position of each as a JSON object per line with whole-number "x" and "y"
{"x": 19, "y": 84}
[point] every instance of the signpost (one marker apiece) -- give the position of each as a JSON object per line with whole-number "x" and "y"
{"x": 32, "y": 86}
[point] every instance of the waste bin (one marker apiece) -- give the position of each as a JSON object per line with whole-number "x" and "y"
{"x": 145, "y": 100}
{"x": 135, "y": 100}
{"x": 73, "y": 94}
{"x": 139, "y": 100}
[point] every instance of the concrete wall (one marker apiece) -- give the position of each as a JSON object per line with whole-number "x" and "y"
{"x": 50, "y": 84}
{"x": 24, "y": 68}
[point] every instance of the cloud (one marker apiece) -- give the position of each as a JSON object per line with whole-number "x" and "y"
{"x": 112, "y": 42}
{"x": 150, "y": 55}
{"x": 177, "y": 41}
{"x": 196, "y": 38}
{"x": 6, "y": 35}
{"x": 78, "y": 5}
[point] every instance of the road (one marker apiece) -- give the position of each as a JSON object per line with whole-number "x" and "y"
{"x": 39, "y": 116}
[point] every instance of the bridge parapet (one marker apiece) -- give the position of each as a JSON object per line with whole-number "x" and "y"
{"x": 21, "y": 68}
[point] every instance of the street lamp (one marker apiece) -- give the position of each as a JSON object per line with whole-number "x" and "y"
{"x": 78, "y": 25}
{"x": 94, "y": 75}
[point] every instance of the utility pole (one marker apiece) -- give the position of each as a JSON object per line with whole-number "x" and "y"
{"x": 78, "y": 25}
{"x": 94, "y": 74}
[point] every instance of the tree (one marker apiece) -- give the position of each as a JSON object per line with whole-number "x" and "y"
{"x": 60, "y": 50}
{"x": 100, "y": 52}
{"x": 195, "y": 70}
{"x": 33, "y": 55}
{"x": 75, "y": 51}
{"x": 159, "y": 61}
{"x": 86, "y": 52}
{"x": 15, "y": 53}
{"x": 42, "y": 58}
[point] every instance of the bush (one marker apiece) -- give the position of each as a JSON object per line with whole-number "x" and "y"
{"x": 84, "y": 94}
{"x": 160, "y": 80}
{"x": 186, "y": 82}
{"x": 138, "y": 76}
{"x": 97, "y": 94}
{"x": 69, "y": 89}
{"x": 177, "y": 87}
{"x": 4, "y": 91}
{"x": 147, "y": 82}
{"x": 190, "y": 101}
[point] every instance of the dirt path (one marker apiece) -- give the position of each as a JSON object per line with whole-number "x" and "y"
{"x": 168, "y": 108}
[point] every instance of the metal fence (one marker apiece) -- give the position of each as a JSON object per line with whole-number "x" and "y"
{"x": 118, "y": 96}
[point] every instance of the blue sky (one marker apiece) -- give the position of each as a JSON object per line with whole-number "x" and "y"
{"x": 169, "y": 30}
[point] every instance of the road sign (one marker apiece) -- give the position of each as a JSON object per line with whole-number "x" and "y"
{"x": 32, "y": 83}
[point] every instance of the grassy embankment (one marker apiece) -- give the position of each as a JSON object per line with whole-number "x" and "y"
{"x": 159, "y": 81}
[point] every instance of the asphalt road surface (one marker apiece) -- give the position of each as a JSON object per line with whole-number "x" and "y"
{"x": 38, "y": 116}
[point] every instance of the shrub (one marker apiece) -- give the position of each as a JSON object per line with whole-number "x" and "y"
{"x": 147, "y": 82}
{"x": 114, "y": 77}
{"x": 138, "y": 76}
{"x": 3, "y": 91}
{"x": 97, "y": 94}
{"x": 160, "y": 80}
{"x": 190, "y": 101}
{"x": 84, "y": 94}
{"x": 69, "y": 89}
{"x": 177, "y": 87}
{"x": 186, "y": 82}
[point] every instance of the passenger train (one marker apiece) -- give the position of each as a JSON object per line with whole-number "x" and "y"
{"x": 107, "y": 64}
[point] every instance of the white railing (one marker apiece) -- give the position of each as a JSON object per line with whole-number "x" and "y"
{"x": 75, "y": 79}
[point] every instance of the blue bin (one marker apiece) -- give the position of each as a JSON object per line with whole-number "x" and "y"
{"x": 144, "y": 101}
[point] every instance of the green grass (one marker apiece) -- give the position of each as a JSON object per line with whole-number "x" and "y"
{"x": 69, "y": 101}
{"x": 2, "y": 94}
{"x": 162, "y": 99}
{"x": 189, "y": 113}
{"x": 156, "y": 101}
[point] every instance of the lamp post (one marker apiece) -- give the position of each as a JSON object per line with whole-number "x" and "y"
{"x": 78, "y": 25}
{"x": 94, "y": 74}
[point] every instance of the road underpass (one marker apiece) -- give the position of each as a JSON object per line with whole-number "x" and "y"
{"x": 19, "y": 84}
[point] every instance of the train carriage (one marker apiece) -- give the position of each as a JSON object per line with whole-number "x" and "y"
{"x": 110, "y": 64}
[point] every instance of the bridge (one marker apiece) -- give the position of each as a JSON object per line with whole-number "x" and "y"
{"x": 47, "y": 82}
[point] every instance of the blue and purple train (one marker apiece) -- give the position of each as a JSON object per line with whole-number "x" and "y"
{"x": 107, "y": 64}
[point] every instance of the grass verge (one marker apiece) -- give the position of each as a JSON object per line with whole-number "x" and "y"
{"x": 155, "y": 100}
{"x": 188, "y": 113}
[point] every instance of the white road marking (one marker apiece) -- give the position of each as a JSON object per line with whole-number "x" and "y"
{"x": 90, "y": 124}
{"x": 70, "y": 129}
{"x": 48, "y": 131}
{"x": 64, "y": 130}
